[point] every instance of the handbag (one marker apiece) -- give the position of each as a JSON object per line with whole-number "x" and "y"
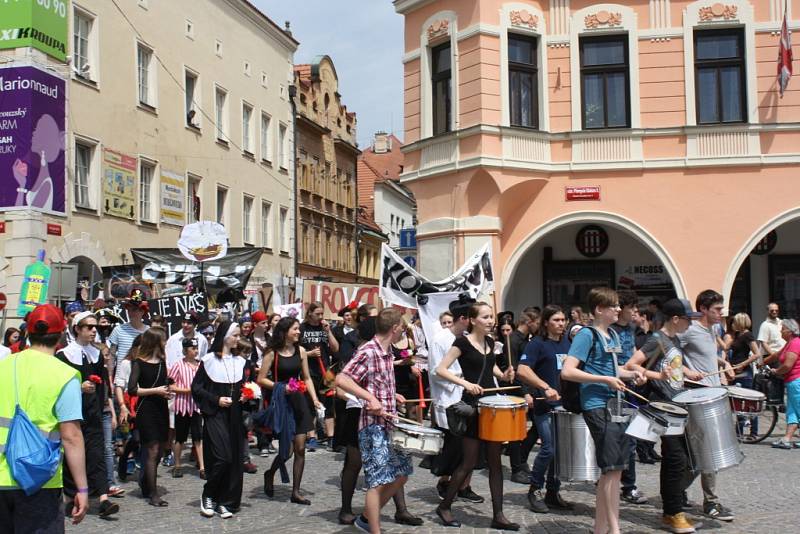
{"x": 32, "y": 458}
{"x": 459, "y": 413}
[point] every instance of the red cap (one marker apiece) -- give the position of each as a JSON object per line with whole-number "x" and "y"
{"x": 259, "y": 316}
{"x": 46, "y": 319}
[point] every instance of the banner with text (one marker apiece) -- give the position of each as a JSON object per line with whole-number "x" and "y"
{"x": 41, "y": 24}
{"x": 173, "y": 307}
{"x": 119, "y": 184}
{"x": 334, "y": 296}
{"x": 168, "y": 266}
{"x": 32, "y": 136}
{"x": 173, "y": 196}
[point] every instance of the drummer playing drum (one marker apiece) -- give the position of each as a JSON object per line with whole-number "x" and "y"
{"x": 661, "y": 360}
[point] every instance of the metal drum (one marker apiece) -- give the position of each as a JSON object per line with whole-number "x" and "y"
{"x": 575, "y": 456}
{"x": 711, "y": 431}
{"x": 417, "y": 439}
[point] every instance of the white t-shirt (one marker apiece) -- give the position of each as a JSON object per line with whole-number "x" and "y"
{"x": 4, "y": 351}
{"x": 770, "y": 334}
{"x": 443, "y": 392}
{"x": 174, "y": 347}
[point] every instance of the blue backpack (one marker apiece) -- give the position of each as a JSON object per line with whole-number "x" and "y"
{"x": 32, "y": 458}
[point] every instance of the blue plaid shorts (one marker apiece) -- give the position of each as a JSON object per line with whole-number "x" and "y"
{"x": 383, "y": 462}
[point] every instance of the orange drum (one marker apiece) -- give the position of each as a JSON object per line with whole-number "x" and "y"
{"x": 502, "y": 418}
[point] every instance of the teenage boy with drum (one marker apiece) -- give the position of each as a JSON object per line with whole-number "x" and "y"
{"x": 596, "y": 348}
{"x": 661, "y": 361}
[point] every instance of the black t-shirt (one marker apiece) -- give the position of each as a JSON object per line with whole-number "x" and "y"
{"x": 664, "y": 352}
{"x": 312, "y": 337}
{"x": 472, "y": 361}
{"x": 740, "y": 348}
{"x": 545, "y": 358}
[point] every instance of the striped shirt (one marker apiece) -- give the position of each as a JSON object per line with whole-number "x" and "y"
{"x": 123, "y": 337}
{"x": 183, "y": 375}
{"x": 372, "y": 368}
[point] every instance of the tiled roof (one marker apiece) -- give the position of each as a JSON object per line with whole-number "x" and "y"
{"x": 386, "y": 165}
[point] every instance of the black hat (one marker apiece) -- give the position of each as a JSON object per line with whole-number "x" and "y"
{"x": 191, "y": 316}
{"x": 679, "y": 308}
{"x": 189, "y": 342}
{"x": 460, "y": 307}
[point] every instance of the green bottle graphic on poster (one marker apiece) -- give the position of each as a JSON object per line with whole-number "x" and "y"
{"x": 34, "y": 285}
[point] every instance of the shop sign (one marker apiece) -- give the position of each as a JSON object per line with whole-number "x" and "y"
{"x": 591, "y": 241}
{"x": 649, "y": 276}
{"x": 41, "y": 24}
{"x": 586, "y": 192}
{"x": 53, "y": 229}
{"x": 2, "y": 227}
{"x": 119, "y": 184}
{"x": 173, "y": 197}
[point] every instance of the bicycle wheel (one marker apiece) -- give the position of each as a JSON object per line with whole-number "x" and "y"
{"x": 766, "y": 422}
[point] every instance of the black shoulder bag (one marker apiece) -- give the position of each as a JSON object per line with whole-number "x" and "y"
{"x": 459, "y": 413}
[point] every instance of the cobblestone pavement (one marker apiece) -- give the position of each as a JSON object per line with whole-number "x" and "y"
{"x": 762, "y": 491}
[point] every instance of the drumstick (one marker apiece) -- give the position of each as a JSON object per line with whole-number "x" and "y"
{"x": 695, "y": 383}
{"x": 508, "y": 350}
{"x": 403, "y": 419}
{"x": 501, "y": 389}
{"x": 719, "y": 372}
{"x": 636, "y": 395}
{"x": 419, "y": 400}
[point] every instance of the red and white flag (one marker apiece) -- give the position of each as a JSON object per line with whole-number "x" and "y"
{"x": 784, "y": 56}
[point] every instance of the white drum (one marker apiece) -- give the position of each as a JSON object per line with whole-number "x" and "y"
{"x": 676, "y": 416}
{"x": 647, "y": 425}
{"x": 417, "y": 439}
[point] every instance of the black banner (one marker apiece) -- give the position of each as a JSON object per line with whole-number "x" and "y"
{"x": 168, "y": 266}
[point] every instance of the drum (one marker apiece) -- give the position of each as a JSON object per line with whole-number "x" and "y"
{"x": 502, "y": 418}
{"x": 647, "y": 425}
{"x": 711, "y": 431}
{"x": 417, "y": 439}
{"x": 676, "y": 416}
{"x": 746, "y": 401}
{"x": 575, "y": 454}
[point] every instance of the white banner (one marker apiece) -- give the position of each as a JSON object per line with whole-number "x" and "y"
{"x": 402, "y": 285}
{"x": 173, "y": 197}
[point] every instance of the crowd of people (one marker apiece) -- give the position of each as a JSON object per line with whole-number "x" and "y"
{"x": 214, "y": 392}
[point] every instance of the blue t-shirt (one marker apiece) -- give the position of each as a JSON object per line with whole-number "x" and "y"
{"x": 545, "y": 357}
{"x": 68, "y": 405}
{"x": 627, "y": 339}
{"x": 601, "y": 362}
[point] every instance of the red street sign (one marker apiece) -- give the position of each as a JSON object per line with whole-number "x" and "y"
{"x": 2, "y": 301}
{"x": 2, "y": 227}
{"x": 53, "y": 229}
{"x": 586, "y": 192}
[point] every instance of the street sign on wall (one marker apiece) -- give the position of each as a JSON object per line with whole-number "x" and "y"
{"x": 408, "y": 238}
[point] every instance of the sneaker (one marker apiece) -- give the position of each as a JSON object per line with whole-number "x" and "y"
{"x": 634, "y": 496}
{"x": 107, "y": 508}
{"x": 169, "y": 460}
{"x": 264, "y": 453}
{"x": 250, "y": 468}
{"x": 468, "y": 495}
{"x": 441, "y": 489}
{"x": 312, "y": 445}
{"x": 553, "y": 500}
{"x": 520, "y": 477}
{"x": 715, "y": 510}
{"x": 361, "y": 523}
{"x": 536, "y": 501}
{"x": 679, "y": 523}
{"x": 116, "y": 491}
{"x": 782, "y": 444}
{"x": 207, "y": 507}
{"x": 223, "y": 512}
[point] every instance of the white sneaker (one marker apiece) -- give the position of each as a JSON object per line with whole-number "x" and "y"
{"x": 207, "y": 507}
{"x": 223, "y": 512}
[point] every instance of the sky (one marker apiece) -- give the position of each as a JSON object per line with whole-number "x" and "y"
{"x": 364, "y": 38}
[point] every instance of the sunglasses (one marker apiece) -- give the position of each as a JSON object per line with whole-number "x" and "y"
{"x": 91, "y": 326}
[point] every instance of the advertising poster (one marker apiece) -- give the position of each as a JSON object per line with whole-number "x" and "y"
{"x": 41, "y": 24}
{"x": 173, "y": 198}
{"x": 119, "y": 184}
{"x": 32, "y": 137}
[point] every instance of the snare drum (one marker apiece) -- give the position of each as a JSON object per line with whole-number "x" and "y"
{"x": 746, "y": 401}
{"x": 647, "y": 425}
{"x": 417, "y": 439}
{"x": 502, "y": 418}
{"x": 676, "y": 416}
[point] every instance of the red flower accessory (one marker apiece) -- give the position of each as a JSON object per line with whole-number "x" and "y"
{"x": 251, "y": 391}
{"x": 247, "y": 393}
{"x": 353, "y": 305}
{"x": 96, "y": 379}
{"x": 296, "y": 386}
{"x": 405, "y": 353}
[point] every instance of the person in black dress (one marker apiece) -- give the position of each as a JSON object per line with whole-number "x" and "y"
{"x": 217, "y": 390}
{"x": 149, "y": 382}
{"x": 80, "y": 354}
{"x": 285, "y": 360}
{"x": 475, "y": 354}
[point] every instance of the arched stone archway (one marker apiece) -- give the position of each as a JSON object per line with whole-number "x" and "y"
{"x": 80, "y": 245}
{"x": 623, "y": 224}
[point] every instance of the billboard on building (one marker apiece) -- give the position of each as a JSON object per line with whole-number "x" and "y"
{"x": 32, "y": 136}
{"x": 119, "y": 184}
{"x": 173, "y": 197}
{"x": 41, "y": 24}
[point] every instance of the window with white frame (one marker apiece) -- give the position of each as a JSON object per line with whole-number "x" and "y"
{"x": 84, "y": 45}
{"x": 247, "y": 219}
{"x": 222, "y": 197}
{"x": 147, "y": 171}
{"x": 84, "y": 154}
{"x": 282, "y": 147}
{"x": 193, "y": 204}
{"x": 266, "y": 138}
{"x": 266, "y": 224}
{"x": 192, "y": 87}
{"x": 284, "y": 223}
{"x": 221, "y": 113}
{"x": 247, "y": 128}
{"x": 145, "y": 62}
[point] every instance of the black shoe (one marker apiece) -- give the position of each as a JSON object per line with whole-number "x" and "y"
{"x": 177, "y": 472}
{"x": 521, "y": 477}
{"x": 454, "y": 523}
{"x": 300, "y": 500}
{"x": 634, "y": 496}
{"x": 470, "y": 496}
{"x": 441, "y": 489}
{"x": 646, "y": 460}
{"x": 346, "y": 518}
{"x": 426, "y": 462}
{"x": 553, "y": 500}
{"x": 536, "y": 501}
{"x": 405, "y": 518}
{"x": 655, "y": 456}
{"x": 502, "y": 525}
{"x": 107, "y": 508}
{"x": 717, "y": 511}
{"x": 269, "y": 482}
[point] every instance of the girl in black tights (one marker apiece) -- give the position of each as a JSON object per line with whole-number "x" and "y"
{"x": 475, "y": 354}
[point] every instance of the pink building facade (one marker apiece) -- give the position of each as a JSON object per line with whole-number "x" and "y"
{"x": 640, "y": 144}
